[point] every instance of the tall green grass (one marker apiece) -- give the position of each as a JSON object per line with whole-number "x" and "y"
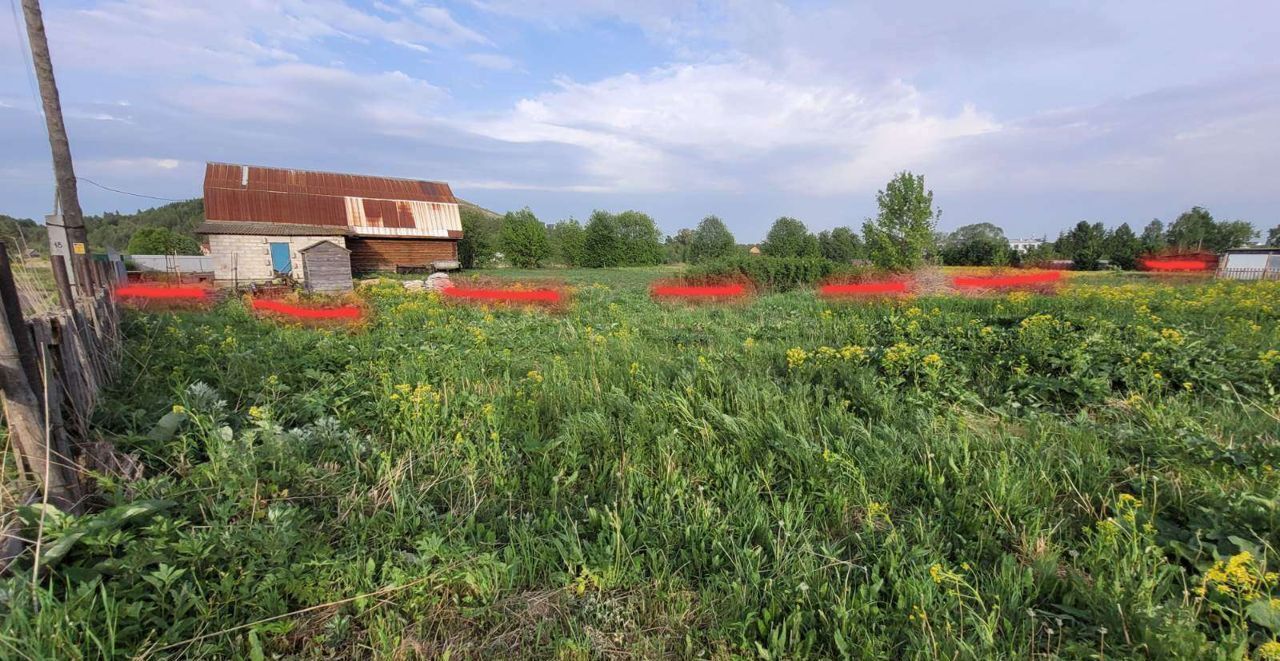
{"x": 939, "y": 477}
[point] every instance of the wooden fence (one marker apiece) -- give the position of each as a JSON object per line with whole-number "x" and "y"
{"x": 52, "y": 368}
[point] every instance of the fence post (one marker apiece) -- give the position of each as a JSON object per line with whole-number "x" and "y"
{"x": 23, "y": 412}
{"x": 13, "y": 313}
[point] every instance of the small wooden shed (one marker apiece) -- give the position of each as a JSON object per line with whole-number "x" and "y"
{"x": 326, "y": 267}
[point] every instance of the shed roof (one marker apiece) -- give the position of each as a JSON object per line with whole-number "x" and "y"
{"x": 322, "y": 244}
{"x": 378, "y": 206}
{"x": 1253, "y": 249}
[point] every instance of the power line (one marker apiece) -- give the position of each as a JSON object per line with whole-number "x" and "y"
{"x": 125, "y": 192}
{"x": 26, "y": 56}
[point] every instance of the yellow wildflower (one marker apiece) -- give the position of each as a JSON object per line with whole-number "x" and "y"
{"x": 850, "y": 351}
{"x": 932, "y": 360}
{"x": 178, "y": 408}
{"x": 535, "y": 376}
{"x": 1268, "y": 651}
{"x": 796, "y": 357}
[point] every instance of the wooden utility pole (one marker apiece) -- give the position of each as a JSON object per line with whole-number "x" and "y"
{"x": 64, "y": 173}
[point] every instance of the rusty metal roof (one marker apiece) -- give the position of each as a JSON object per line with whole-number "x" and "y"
{"x": 372, "y": 206}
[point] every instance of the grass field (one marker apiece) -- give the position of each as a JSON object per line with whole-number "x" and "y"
{"x": 1090, "y": 473}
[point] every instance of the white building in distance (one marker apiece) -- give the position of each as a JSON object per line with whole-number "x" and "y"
{"x": 1023, "y": 245}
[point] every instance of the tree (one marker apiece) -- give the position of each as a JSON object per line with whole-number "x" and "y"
{"x": 980, "y": 244}
{"x": 1273, "y": 237}
{"x": 524, "y": 239}
{"x": 567, "y": 239}
{"x": 1123, "y": 247}
{"x": 1153, "y": 237}
{"x": 841, "y": 244}
{"x": 161, "y": 241}
{"x": 1084, "y": 244}
{"x": 1040, "y": 255}
{"x": 1192, "y": 229}
{"x": 711, "y": 240}
{"x": 639, "y": 240}
{"x": 789, "y": 238}
{"x": 1231, "y": 234}
{"x": 677, "y": 247}
{"x": 479, "y": 238}
{"x": 600, "y": 245}
{"x": 901, "y": 235}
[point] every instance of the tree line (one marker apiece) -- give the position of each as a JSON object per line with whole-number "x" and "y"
{"x": 902, "y": 235}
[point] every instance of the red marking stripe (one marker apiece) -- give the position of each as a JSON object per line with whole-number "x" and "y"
{"x": 533, "y": 296}
{"x": 148, "y": 291}
{"x": 347, "y": 312}
{"x": 861, "y": 288}
{"x": 1175, "y": 265}
{"x": 1007, "y": 281}
{"x": 699, "y": 291}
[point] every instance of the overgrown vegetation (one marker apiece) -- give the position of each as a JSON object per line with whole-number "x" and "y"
{"x": 1087, "y": 474}
{"x": 773, "y": 274}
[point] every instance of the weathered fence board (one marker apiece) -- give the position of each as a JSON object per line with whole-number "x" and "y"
{"x": 52, "y": 369}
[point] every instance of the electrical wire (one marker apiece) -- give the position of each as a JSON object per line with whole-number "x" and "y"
{"x": 26, "y": 57}
{"x": 125, "y": 192}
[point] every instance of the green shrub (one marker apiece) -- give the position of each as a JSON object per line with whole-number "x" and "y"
{"x": 772, "y": 273}
{"x": 524, "y": 239}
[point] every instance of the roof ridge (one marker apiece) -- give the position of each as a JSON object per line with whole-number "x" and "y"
{"x": 342, "y": 174}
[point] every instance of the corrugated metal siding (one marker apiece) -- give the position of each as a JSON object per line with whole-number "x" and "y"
{"x": 371, "y": 254}
{"x": 375, "y": 205}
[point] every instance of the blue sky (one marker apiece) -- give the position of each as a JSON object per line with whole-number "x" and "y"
{"x": 1031, "y": 115}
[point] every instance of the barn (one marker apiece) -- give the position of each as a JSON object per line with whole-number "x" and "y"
{"x": 259, "y": 219}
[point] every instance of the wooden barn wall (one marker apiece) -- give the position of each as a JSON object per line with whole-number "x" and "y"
{"x": 387, "y": 254}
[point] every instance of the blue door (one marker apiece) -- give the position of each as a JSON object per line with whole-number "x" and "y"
{"x": 280, "y": 262}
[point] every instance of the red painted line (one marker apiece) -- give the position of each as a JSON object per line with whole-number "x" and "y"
{"x": 532, "y": 296}
{"x": 1007, "y": 281}
{"x": 347, "y": 312}
{"x": 699, "y": 291}
{"x": 863, "y": 288}
{"x": 149, "y": 291}
{"x": 1175, "y": 265}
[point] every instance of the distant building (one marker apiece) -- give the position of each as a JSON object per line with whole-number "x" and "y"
{"x": 755, "y": 250}
{"x": 1025, "y": 245}
{"x": 258, "y": 220}
{"x": 1250, "y": 264}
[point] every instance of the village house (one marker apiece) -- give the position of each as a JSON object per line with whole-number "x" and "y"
{"x": 259, "y": 221}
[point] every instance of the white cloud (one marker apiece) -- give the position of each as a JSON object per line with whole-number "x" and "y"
{"x": 139, "y": 163}
{"x": 493, "y": 61}
{"x": 727, "y": 125}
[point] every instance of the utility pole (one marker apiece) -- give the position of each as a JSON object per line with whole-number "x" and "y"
{"x": 67, "y": 214}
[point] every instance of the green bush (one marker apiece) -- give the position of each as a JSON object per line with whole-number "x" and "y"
{"x": 524, "y": 239}
{"x": 772, "y": 273}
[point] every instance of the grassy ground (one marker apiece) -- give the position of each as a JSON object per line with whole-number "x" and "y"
{"x": 1090, "y": 473}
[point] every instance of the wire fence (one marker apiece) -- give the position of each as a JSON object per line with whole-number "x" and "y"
{"x": 1249, "y": 274}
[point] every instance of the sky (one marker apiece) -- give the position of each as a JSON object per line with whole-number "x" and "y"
{"x": 1029, "y": 115}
